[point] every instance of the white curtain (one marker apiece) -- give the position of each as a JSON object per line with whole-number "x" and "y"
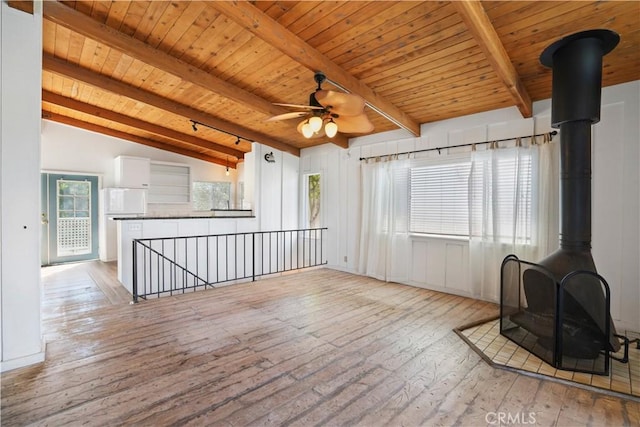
{"x": 384, "y": 242}
{"x": 510, "y": 213}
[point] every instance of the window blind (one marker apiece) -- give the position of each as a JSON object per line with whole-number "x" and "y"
{"x": 497, "y": 195}
{"x": 439, "y": 199}
{"x": 513, "y": 195}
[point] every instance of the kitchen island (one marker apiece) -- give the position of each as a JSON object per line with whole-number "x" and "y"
{"x": 198, "y": 224}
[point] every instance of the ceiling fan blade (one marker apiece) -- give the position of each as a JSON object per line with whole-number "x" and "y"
{"x": 344, "y": 104}
{"x": 354, "y": 124}
{"x": 287, "y": 116}
{"x": 305, "y": 107}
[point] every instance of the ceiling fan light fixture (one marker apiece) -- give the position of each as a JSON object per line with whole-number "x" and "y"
{"x": 315, "y": 123}
{"x": 307, "y": 131}
{"x": 331, "y": 129}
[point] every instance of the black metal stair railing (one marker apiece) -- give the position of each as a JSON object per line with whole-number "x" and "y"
{"x": 170, "y": 265}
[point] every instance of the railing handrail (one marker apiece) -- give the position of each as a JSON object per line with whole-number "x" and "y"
{"x": 243, "y": 233}
{"x": 168, "y": 266}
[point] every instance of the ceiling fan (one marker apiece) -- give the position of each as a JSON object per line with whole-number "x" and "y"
{"x": 329, "y": 112}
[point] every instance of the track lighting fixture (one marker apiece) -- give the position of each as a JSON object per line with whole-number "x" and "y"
{"x": 194, "y": 124}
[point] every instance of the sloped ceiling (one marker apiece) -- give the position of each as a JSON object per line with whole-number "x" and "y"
{"x": 141, "y": 70}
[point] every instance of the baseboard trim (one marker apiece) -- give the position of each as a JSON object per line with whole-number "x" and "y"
{"x": 21, "y": 362}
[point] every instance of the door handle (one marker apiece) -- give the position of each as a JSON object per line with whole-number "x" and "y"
{"x": 44, "y": 219}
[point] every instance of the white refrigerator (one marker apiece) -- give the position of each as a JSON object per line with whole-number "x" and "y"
{"x": 114, "y": 203}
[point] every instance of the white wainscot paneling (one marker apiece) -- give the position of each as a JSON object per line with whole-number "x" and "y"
{"x": 436, "y": 261}
{"x": 457, "y": 267}
{"x": 418, "y": 273}
{"x": 440, "y": 264}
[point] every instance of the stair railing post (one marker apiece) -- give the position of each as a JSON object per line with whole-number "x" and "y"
{"x": 135, "y": 271}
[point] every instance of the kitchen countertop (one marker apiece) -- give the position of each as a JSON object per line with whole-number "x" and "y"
{"x": 196, "y": 216}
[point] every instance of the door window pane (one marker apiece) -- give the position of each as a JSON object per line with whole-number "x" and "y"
{"x": 65, "y": 203}
{"x": 74, "y": 222}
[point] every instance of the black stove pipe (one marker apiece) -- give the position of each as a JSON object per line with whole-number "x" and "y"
{"x": 576, "y": 62}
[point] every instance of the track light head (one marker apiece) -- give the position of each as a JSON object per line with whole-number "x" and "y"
{"x": 195, "y": 123}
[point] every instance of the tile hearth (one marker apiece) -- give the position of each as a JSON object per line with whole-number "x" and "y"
{"x": 485, "y": 338}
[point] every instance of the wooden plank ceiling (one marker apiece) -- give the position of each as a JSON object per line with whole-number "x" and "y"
{"x": 141, "y": 70}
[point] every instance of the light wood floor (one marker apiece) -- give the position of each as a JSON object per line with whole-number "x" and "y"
{"x": 319, "y": 347}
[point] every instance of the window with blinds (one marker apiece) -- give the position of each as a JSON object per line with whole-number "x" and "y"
{"x": 502, "y": 199}
{"x": 497, "y": 196}
{"x": 439, "y": 198}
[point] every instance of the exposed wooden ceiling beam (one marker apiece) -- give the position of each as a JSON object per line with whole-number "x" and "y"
{"x": 80, "y": 23}
{"x": 88, "y": 27}
{"x": 25, "y": 6}
{"x": 102, "y": 113}
{"x": 479, "y": 24}
{"x": 86, "y": 76}
{"x": 133, "y": 138}
{"x": 269, "y": 30}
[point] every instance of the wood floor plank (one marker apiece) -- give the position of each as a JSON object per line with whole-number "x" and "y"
{"x": 318, "y": 347}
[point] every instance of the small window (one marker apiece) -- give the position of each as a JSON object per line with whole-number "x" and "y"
{"x": 211, "y": 195}
{"x": 312, "y": 185}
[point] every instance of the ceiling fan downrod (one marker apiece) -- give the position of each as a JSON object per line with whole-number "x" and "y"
{"x": 320, "y": 78}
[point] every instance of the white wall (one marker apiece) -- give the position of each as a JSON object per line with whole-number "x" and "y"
{"x": 20, "y": 85}
{"x": 276, "y": 188}
{"x": 271, "y": 189}
{"x": 273, "y": 186}
{"x": 442, "y": 264}
{"x": 94, "y": 153}
{"x": 616, "y": 212}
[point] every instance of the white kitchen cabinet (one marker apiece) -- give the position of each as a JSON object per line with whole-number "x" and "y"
{"x": 132, "y": 172}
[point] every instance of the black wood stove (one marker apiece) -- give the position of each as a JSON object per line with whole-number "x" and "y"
{"x": 559, "y": 307}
